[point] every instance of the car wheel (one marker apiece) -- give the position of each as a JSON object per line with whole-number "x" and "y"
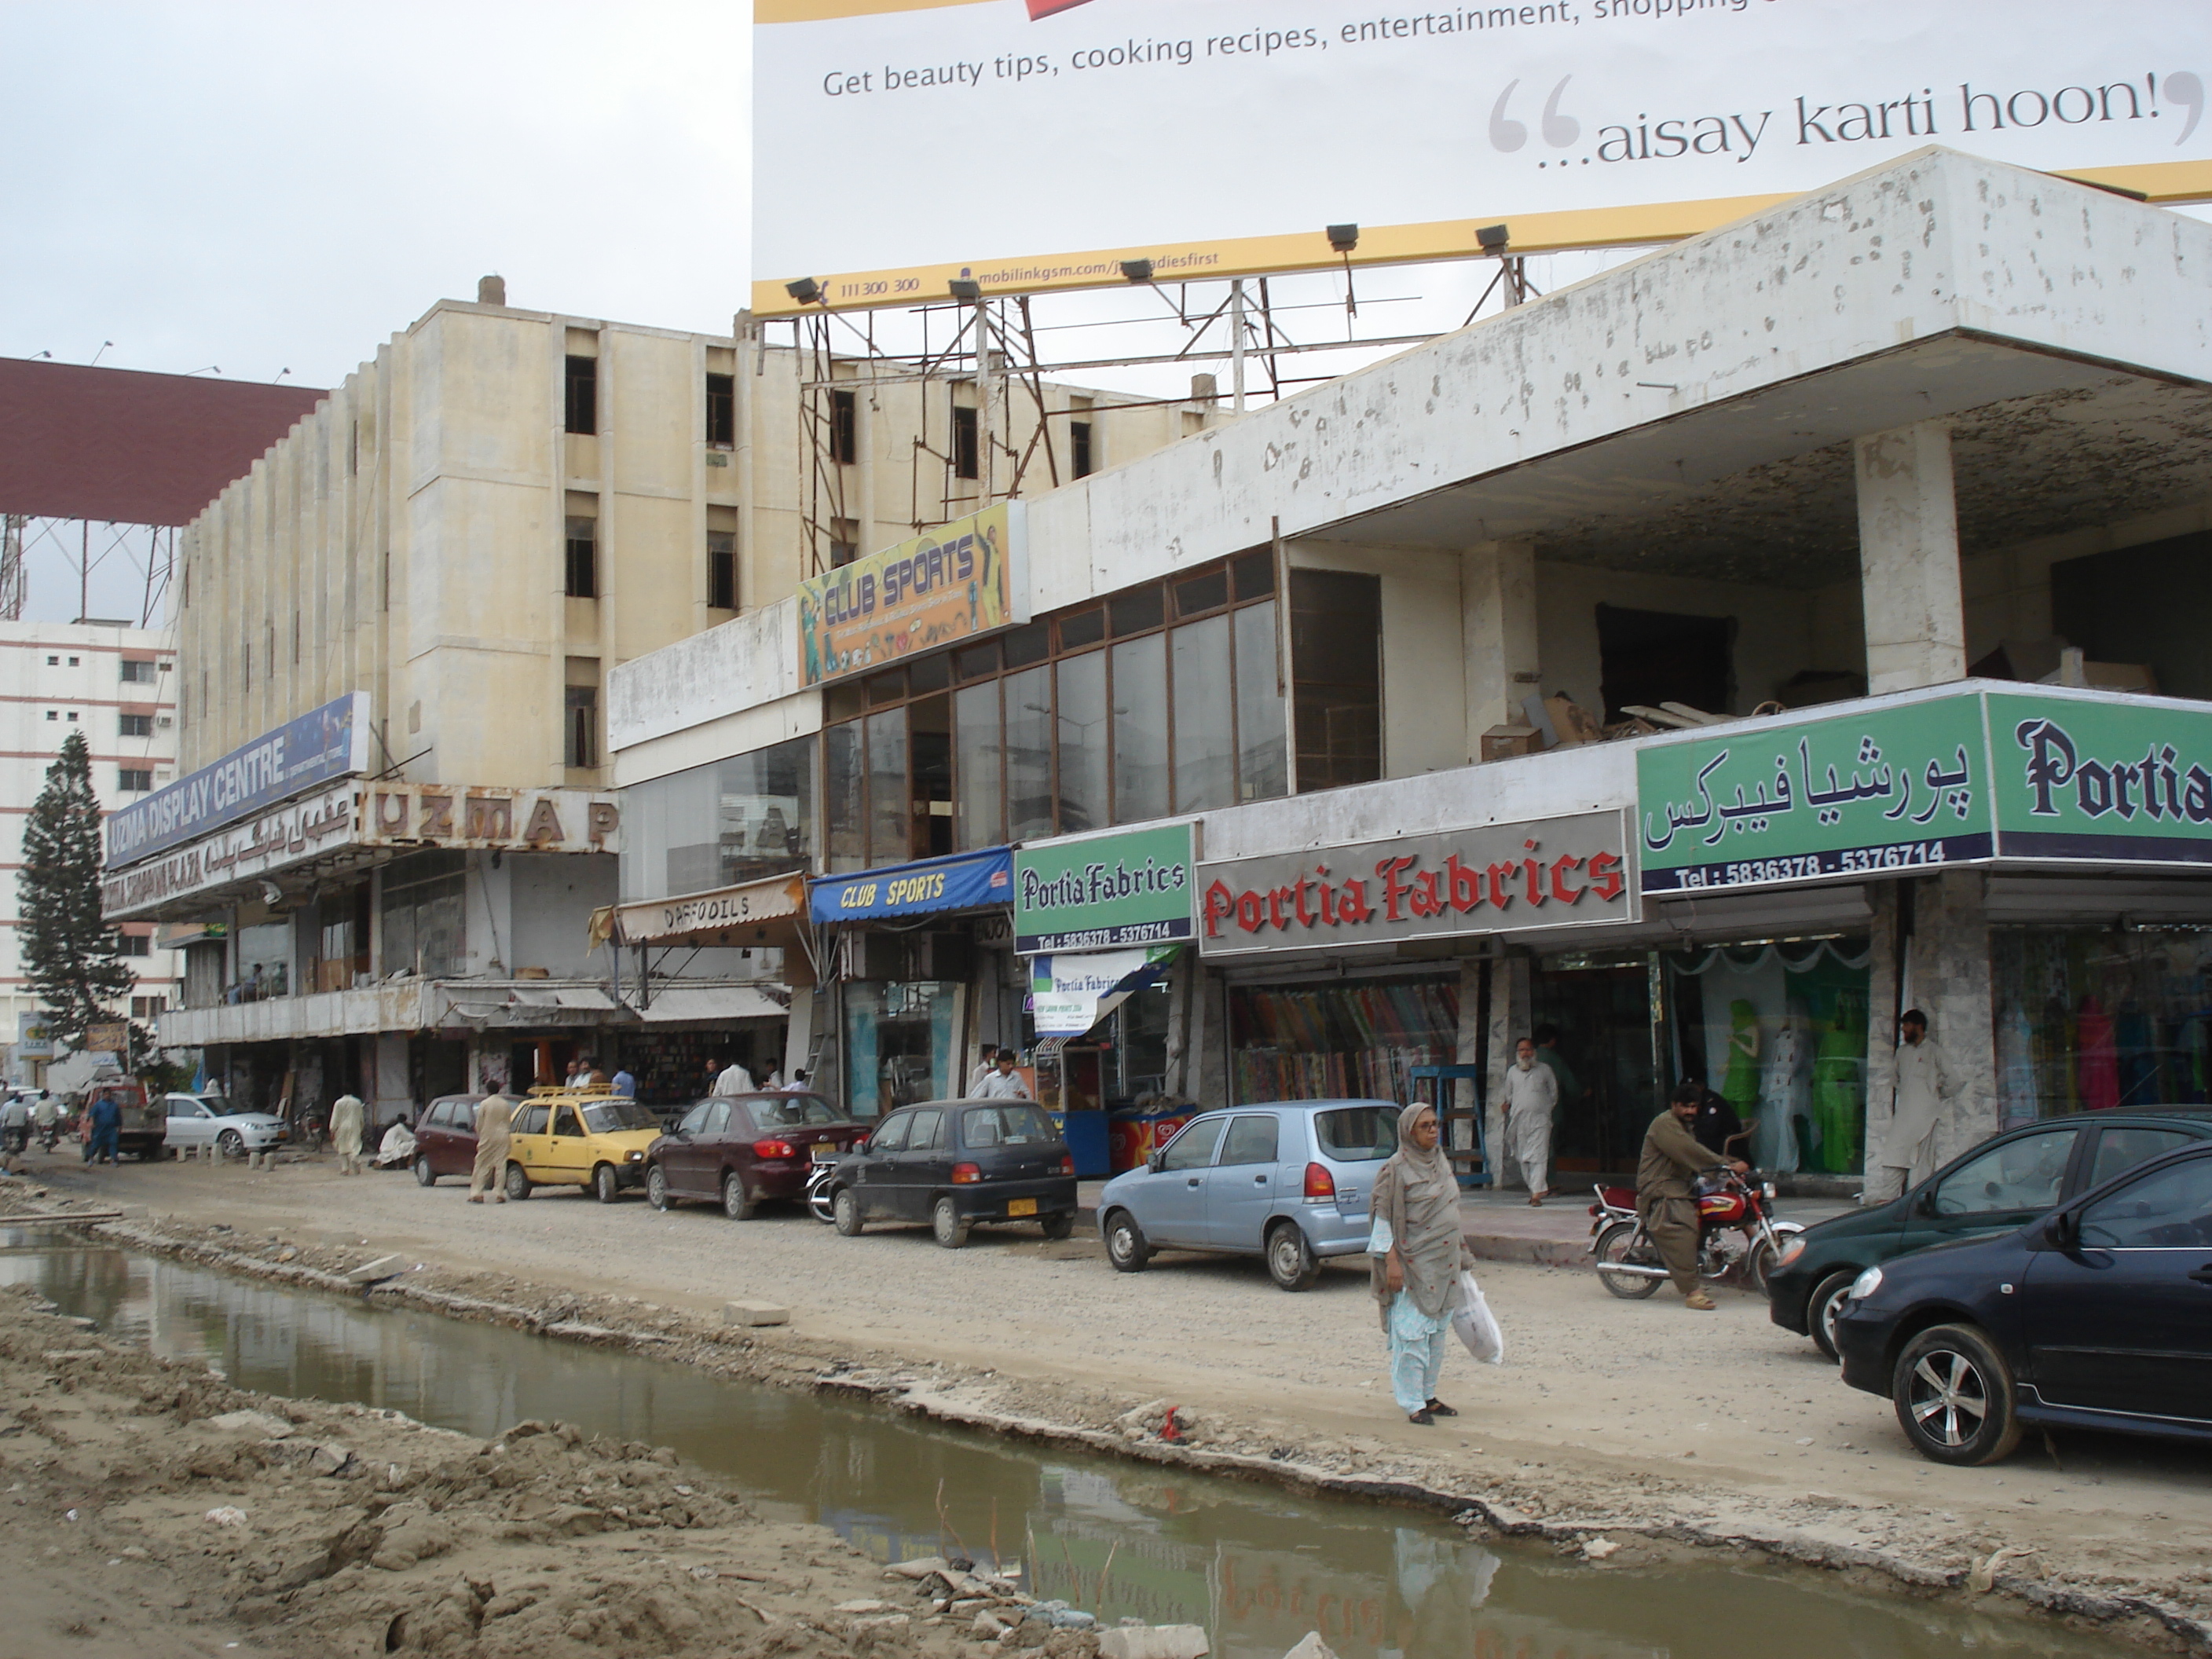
{"x": 604, "y": 1187}
{"x": 1291, "y": 1260}
{"x": 845, "y": 1210}
{"x": 518, "y": 1184}
{"x": 656, "y": 1187}
{"x": 1613, "y": 1248}
{"x": 230, "y": 1143}
{"x": 1821, "y": 1309}
{"x": 737, "y": 1200}
{"x": 1125, "y": 1243}
{"x": 1057, "y": 1227}
{"x": 424, "y": 1175}
{"x": 1953, "y": 1395}
{"x": 946, "y": 1224}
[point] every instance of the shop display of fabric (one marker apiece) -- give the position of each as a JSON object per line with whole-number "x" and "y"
{"x": 2099, "y": 1061}
{"x": 1784, "y": 1106}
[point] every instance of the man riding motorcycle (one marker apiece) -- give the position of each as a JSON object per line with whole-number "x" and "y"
{"x": 48, "y": 1117}
{"x": 1672, "y": 1159}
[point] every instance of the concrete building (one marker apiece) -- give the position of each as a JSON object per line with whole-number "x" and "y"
{"x": 116, "y": 685}
{"x": 426, "y": 583}
{"x": 1795, "y": 514}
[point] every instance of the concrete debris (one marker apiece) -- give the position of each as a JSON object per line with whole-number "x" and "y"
{"x": 227, "y": 1515}
{"x": 1311, "y": 1646}
{"x": 1154, "y": 1642}
{"x": 918, "y": 1569}
{"x": 862, "y": 1606}
{"x": 1597, "y": 1549}
{"x": 265, "y": 1424}
{"x": 330, "y": 1459}
{"x": 753, "y": 1315}
{"x": 384, "y": 1266}
{"x": 988, "y": 1627}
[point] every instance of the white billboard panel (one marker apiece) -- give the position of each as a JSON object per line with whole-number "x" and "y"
{"x": 1038, "y": 143}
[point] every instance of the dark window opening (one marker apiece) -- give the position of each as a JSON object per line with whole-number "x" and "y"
{"x": 1084, "y": 628}
{"x": 930, "y": 756}
{"x": 976, "y": 662}
{"x": 581, "y": 413}
{"x": 583, "y": 558}
{"x": 886, "y": 688}
{"x": 721, "y": 570}
{"x": 844, "y": 542}
{"x": 136, "y": 726}
{"x": 1199, "y": 594}
{"x": 1255, "y": 575}
{"x": 1024, "y": 646}
{"x": 581, "y": 738}
{"x": 134, "y": 781}
{"x": 1138, "y": 612}
{"x": 1080, "y": 462}
{"x": 722, "y": 410}
{"x": 965, "y": 454}
{"x": 1648, "y": 658}
{"x": 1336, "y": 661}
{"x": 845, "y": 429}
{"x": 138, "y": 945}
{"x": 138, "y": 672}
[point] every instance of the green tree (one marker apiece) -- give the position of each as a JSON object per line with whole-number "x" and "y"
{"x": 71, "y": 957}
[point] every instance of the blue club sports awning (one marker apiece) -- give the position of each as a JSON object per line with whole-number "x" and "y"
{"x": 964, "y": 881}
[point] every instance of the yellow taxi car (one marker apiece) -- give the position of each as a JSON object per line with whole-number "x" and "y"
{"x": 591, "y": 1138}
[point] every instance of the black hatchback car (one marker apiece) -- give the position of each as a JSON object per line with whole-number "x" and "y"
{"x": 2098, "y": 1316}
{"x": 2000, "y": 1185}
{"x": 954, "y": 1163}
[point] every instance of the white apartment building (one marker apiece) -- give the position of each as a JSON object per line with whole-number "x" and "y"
{"x": 116, "y": 685}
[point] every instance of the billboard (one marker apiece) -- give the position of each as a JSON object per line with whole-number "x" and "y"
{"x": 962, "y": 579}
{"x": 1104, "y": 892}
{"x": 324, "y": 743}
{"x": 1030, "y": 144}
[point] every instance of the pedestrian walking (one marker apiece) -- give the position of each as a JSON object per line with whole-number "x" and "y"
{"x": 734, "y": 1080}
{"x": 346, "y": 1133}
{"x": 493, "y": 1113}
{"x": 984, "y": 1068}
{"x": 1925, "y": 1079}
{"x": 625, "y": 1083}
{"x": 1532, "y": 1095}
{"x": 1672, "y": 1159}
{"x": 106, "y": 1124}
{"x": 1003, "y": 1084}
{"x": 1415, "y": 1255}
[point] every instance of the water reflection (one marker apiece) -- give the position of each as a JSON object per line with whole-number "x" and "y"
{"x": 1258, "y": 1567}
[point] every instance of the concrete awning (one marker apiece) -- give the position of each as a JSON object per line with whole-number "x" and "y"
{"x": 720, "y": 1002}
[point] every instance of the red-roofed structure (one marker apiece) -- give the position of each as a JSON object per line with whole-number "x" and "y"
{"x": 119, "y": 446}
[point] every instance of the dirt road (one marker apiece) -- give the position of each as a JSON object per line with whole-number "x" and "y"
{"x": 1606, "y": 1412}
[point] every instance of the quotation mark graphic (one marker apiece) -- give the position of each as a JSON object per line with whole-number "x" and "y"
{"x": 2186, "y": 87}
{"x": 1509, "y": 135}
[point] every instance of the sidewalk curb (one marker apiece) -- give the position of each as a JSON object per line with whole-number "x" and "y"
{"x": 1534, "y": 1252}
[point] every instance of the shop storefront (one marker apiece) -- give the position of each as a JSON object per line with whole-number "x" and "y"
{"x": 1101, "y": 922}
{"x": 918, "y": 949}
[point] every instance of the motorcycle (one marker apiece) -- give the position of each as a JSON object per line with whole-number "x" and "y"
{"x": 50, "y": 1134}
{"x": 1737, "y": 1236}
{"x": 819, "y": 1204}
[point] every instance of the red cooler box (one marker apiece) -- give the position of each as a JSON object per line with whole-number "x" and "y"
{"x": 1134, "y": 1136}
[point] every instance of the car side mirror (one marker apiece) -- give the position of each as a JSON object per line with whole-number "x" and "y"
{"x": 2058, "y": 1231}
{"x": 1155, "y": 1162}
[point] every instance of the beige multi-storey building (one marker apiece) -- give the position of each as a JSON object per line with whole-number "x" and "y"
{"x": 458, "y": 545}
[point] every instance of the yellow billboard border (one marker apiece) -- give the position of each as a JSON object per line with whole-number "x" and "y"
{"x": 821, "y": 11}
{"x": 2159, "y": 182}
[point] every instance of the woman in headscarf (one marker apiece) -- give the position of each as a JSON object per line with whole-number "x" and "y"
{"x": 1414, "y": 1258}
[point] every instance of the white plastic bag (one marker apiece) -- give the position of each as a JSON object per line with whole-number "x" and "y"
{"x": 1473, "y": 1323}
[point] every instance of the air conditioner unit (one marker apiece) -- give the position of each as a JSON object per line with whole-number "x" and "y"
{"x": 164, "y": 721}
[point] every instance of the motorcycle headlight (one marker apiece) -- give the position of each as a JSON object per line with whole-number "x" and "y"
{"x": 1866, "y": 1284}
{"x": 1793, "y": 1249}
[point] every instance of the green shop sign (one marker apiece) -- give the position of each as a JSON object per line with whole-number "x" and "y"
{"x": 1109, "y": 890}
{"x": 1972, "y": 775}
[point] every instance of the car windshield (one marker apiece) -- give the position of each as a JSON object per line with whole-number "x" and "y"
{"x": 227, "y": 1107}
{"x": 1358, "y": 1134}
{"x": 787, "y": 1111}
{"x": 1005, "y": 1125}
{"x": 603, "y": 1117}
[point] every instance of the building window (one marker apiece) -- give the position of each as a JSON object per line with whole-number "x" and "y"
{"x": 1080, "y": 462}
{"x": 137, "y": 672}
{"x": 583, "y": 558}
{"x": 73, "y": 662}
{"x": 844, "y": 427}
{"x": 722, "y": 410}
{"x": 1336, "y": 633}
{"x": 844, "y": 542}
{"x": 148, "y": 1007}
{"x": 424, "y": 913}
{"x": 72, "y": 717}
{"x": 133, "y": 780}
{"x": 54, "y": 662}
{"x": 581, "y": 732}
{"x": 964, "y": 447}
{"x": 135, "y": 726}
{"x": 730, "y": 821}
{"x": 53, "y": 713}
{"x": 721, "y": 570}
{"x": 582, "y": 410}
{"x": 138, "y": 945}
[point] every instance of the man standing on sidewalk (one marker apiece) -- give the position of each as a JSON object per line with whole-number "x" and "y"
{"x": 346, "y": 1133}
{"x": 1532, "y": 1094}
{"x": 1925, "y": 1080}
{"x": 490, "y": 1173}
{"x": 1672, "y": 1159}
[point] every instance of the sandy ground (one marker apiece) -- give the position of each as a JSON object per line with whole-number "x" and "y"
{"x": 1626, "y": 1414}
{"x": 152, "y": 1509}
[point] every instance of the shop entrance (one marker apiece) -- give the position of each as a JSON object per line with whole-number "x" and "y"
{"x": 1603, "y": 1018}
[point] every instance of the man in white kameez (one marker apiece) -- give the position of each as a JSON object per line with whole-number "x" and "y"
{"x": 1925, "y": 1078}
{"x": 1532, "y": 1095}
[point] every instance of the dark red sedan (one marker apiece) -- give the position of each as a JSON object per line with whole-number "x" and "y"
{"x": 741, "y": 1151}
{"x": 446, "y": 1138}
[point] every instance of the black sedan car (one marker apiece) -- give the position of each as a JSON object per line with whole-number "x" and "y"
{"x": 954, "y": 1163}
{"x": 2098, "y": 1316}
{"x": 2000, "y": 1185}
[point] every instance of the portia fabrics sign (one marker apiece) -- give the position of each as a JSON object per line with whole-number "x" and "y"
{"x": 1132, "y": 889}
{"x": 1500, "y": 878}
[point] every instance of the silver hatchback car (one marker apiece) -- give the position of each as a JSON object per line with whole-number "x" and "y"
{"x": 1288, "y": 1181}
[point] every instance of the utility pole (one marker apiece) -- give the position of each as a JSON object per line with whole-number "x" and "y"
{"x": 985, "y": 369}
{"x": 1236, "y": 340}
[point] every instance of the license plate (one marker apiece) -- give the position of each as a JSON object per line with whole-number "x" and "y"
{"x": 1021, "y": 1206}
{"x": 824, "y": 1152}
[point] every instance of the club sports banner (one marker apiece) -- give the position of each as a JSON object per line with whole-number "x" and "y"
{"x": 967, "y": 578}
{"x": 1224, "y": 137}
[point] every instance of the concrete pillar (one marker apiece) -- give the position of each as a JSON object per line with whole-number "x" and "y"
{"x": 1466, "y": 1094}
{"x": 1497, "y": 628}
{"x": 1916, "y": 629}
{"x": 1510, "y": 985}
{"x": 1946, "y": 977}
{"x": 1209, "y": 1065}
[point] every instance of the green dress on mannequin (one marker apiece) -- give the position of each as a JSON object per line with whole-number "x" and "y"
{"x": 1839, "y": 1086}
{"x": 1740, "y": 1084}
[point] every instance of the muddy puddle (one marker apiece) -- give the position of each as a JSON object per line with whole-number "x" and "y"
{"x": 1258, "y": 1567}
